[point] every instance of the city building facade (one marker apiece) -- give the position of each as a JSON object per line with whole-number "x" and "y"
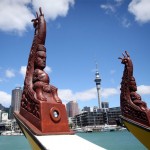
{"x": 105, "y": 105}
{"x": 72, "y": 108}
{"x": 113, "y": 115}
{"x": 89, "y": 119}
{"x": 15, "y": 101}
{"x": 98, "y": 117}
{"x": 87, "y": 109}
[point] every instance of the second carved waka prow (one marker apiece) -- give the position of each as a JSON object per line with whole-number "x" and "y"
{"x": 132, "y": 105}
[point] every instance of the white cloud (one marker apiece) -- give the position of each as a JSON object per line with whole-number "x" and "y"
{"x": 65, "y": 94}
{"x": 140, "y": 9}
{"x": 111, "y": 7}
{"x": 109, "y": 92}
{"x": 23, "y": 70}
{"x": 108, "y": 8}
{"x": 53, "y": 8}
{"x": 87, "y": 95}
{"x": 125, "y": 22}
{"x": 10, "y": 73}
{"x": 5, "y": 99}
{"x": 16, "y": 15}
{"x": 90, "y": 94}
{"x": 143, "y": 89}
{"x": 48, "y": 69}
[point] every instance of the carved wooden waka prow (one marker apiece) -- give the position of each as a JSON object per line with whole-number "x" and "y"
{"x": 41, "y": 109}
{"x": 132, "y": 106}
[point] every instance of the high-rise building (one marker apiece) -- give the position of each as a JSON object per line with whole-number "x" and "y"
{"x": 72, "y": 108}
{"x": 105, "y": 105}
{"x": 98, "y": 84}
{"x": 88, "y": 109}
{"x": 105, "y": 108}
{"x": 15, "y": 100}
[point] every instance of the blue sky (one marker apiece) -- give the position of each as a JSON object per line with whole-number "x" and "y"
{"x": 80, "y": 33}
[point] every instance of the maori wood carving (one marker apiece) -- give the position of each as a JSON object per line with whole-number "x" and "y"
{"x": 40, "y": 103}
{"x": 132, "y": 105}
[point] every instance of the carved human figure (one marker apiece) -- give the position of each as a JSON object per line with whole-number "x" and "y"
{"x": 136, "y": 99}
{"x": 40, "y": 77}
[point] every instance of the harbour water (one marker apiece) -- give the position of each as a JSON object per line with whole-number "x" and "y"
{"x": 116, "y": 140}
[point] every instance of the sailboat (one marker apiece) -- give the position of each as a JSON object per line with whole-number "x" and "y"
{"x": 135, "y": 113}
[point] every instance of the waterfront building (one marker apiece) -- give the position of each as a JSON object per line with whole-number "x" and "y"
{"x": 4, "y": 116}
{"x": 15, "y": 101}
{"x": 4, "y": 121}
{"x": 99, "y": 117}
{"x": 72, "y": 108}
{"x": 105, "y": 109}
{"x": 87, "y": 109}
{"x": 105, "y": 105}
{"x": 96, "y": 109}
{"x": 89, "y": 119}
{"x": 113, "y": 115}
{"x": 4, "y": 109}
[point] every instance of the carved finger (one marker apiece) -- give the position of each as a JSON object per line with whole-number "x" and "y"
{"x": 33, "y": 20}
{"x": 119, "y": 58}
{"x": 37, "y": 15}
{"x": 40, "y": 9}
{"x": 127, "y": 54}
{"x": 123, "y": 55}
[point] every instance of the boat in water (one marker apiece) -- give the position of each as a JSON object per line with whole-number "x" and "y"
{"x": 107, "y": 128}
{"x": 11, "y": 133}
{"x": 135, "y": 113}
{"x": 78, "y": 130}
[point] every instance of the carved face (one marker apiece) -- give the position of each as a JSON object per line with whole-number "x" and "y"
{"x": 40, "y": 60}
{"x": 135, "y": 96}
{"x": 124, "y": 61}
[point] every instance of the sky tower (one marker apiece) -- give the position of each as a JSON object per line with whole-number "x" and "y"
{"x": 98, "y": 83}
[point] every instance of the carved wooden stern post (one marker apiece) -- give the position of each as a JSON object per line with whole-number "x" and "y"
{"x": 41, "y": 109}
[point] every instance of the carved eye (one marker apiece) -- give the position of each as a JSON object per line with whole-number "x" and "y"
{"x": 55, "y": 114}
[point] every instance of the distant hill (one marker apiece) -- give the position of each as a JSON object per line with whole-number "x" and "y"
{"x": 4, "y": 108}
